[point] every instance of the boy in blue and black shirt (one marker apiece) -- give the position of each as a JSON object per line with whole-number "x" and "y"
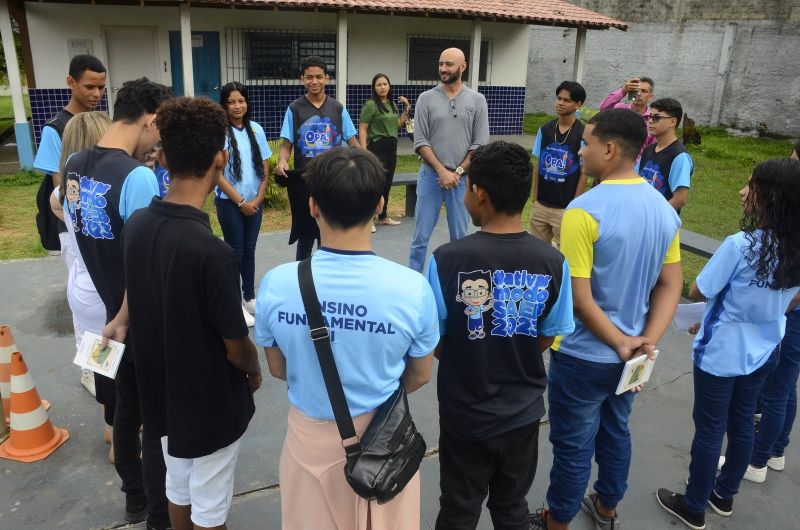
{"x": 502, "y": 296}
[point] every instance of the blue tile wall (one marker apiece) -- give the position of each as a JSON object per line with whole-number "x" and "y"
{"x": 46, "y": 102}
{"x": 269, "y": 102}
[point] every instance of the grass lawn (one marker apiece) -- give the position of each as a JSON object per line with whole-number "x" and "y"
{"x": 7, "y": 111}
{"x": 722, "y": 166}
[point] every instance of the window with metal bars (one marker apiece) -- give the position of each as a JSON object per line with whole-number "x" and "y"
{"x": 424, "y": 52}
{"x": 275, "y": 55}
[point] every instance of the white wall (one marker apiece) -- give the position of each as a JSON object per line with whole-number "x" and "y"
{"x": 376, "y": 42}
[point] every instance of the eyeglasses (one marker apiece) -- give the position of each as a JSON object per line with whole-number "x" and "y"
{"x": 453, "y": 108}
{"x": 655, "y": 118}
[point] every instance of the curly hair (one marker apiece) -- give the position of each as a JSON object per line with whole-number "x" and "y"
{"x": 771, "y": 223}
{"x": 192, "y": 133}
{"x": 139, "y": 97}
{"x": 505, "y": 171}
{"x": 235, "y": 160}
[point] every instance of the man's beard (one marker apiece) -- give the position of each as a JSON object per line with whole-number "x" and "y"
{"x": 452, "y": 78}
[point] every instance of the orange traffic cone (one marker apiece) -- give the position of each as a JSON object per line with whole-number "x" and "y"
{"x": 7, "y": 347}
{"x": 3, "y": 424}
{"x": 33, "y": 437}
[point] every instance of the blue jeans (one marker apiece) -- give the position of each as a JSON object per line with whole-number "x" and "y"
{"x": 779, "y": 398}
{"x": 241, "y": 233}
{"x": 722, "y": 405}
{"x": 586, "y": 418}
{"x": 429, "y": 203}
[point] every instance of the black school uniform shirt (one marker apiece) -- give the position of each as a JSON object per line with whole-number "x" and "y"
{"x": 559, "y": 167}
{"x": 183, "y": 298}
{"x": 496, "y": 293}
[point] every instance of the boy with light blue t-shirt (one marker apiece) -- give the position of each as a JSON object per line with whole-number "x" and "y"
{"x": 383, "y": 326}
{"x": 621, "y": 242}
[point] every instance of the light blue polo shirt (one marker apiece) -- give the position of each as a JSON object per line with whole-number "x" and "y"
{"x": 744, "y": 319}
{"x": 379, "y": 313}
{"x": 249, "y": 184}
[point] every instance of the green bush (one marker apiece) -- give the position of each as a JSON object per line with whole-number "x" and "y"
{"x": 275, "y": 196}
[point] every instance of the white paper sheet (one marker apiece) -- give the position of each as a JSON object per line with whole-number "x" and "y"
{"x": 688, "y": 314}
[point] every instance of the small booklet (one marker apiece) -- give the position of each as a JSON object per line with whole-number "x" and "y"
{"x": 688, "y": 314}
{"x": 637, "y": 372}
{"x": 102, "y": 361}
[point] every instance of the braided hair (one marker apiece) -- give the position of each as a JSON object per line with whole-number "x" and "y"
{"x": 771, "y": 222}
{"x": 234, "y": 160}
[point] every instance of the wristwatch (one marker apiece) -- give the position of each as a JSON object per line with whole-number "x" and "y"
{"x": 459, "y": 171}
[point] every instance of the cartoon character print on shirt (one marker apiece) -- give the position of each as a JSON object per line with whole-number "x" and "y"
{"x": 556, "y": 162}
{"x": 651, "y": 172}
{"x": 519, "y": 301}
{"x": 317, "y": 135}
{"x": 95, "y": 222}
{"x": 474, "y": 290}
{"x": 162, "y": 176}
{"x": 73, "y": 195}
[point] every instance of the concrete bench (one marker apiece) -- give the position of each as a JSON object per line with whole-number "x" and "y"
{"x": 698, "y": 243}
{"x": 409, "y": 180}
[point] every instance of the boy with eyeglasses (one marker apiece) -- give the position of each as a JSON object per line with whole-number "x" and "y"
{"x": 666, "y": 164}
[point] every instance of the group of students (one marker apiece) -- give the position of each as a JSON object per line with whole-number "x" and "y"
{"x": 490, "y": 304}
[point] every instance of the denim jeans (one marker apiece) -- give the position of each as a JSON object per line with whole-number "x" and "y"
{"x": 241, "y": 233}
{"x": 429, "y": 203}
{"x": 722, "y": 405}
{"x": 586, "y": 418}
{"x": 779, "y": 397}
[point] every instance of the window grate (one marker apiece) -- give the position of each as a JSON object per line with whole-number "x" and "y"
{"x": 272, "y": 57}
{"x": 424, "y": 52}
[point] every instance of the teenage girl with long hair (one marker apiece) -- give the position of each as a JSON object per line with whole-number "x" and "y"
{"x": 377, "y": 132}
{"x": 749, "y": 283}
{"x": 83, "y": 131}
{"x": 240, "y": 190}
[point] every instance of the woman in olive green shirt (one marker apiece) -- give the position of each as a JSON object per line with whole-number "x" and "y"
{"x": 377, "y": 132}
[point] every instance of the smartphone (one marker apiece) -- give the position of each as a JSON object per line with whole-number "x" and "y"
{"x": 632, "y": 95}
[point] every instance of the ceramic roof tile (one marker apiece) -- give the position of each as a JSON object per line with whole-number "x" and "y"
{"x": 548, "y": 12}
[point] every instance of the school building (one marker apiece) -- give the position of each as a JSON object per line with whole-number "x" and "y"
{"x": 197, "y": 46}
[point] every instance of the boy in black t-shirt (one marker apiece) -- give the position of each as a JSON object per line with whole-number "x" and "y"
{"x": 503, "y": 295}
{"x": 559, "y": 176}
{"x": 187, "y": 323}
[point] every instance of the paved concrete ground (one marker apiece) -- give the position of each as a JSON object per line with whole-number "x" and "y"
{"x": 76, "y": 488}
{"x": 405, "y": 147}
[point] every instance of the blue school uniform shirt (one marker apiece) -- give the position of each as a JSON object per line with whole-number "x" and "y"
{"x": 744, "y": 319}
{"x": 249, "y": 183}
{"x": 619, "y": 234}
{"x": 48, "y": 155}
{"x": 379, "y": 313}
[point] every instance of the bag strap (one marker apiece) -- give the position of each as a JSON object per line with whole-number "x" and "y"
{"x": 320, "y": 336}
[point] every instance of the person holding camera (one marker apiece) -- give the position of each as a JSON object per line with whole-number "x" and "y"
{"x": 636, "y": 94}
{"x": 377, "y": 133}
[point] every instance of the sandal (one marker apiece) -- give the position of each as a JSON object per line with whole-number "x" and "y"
{"x": 388, "y": 221}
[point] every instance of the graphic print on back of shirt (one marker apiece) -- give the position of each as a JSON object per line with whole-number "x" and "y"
{"x": 73, "y": 196}
{"x": 474, "y": 290}
{"x": 317, "y": 135}
{"x": 556, "y": 162}
{"x": 651, "y": 172}
{"x": 94, "y": 221}
{"x": 519, "y": 300}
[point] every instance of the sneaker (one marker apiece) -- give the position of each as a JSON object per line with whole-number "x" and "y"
{"x": 248, "y": 318}
{"x": 538, "y": 520}
{"x": 756, "y": 474}
{"x": 87, "y": 380}
{"x": 388, "y": 221}
{"x": 673, "y": 503}
{"x": 135, "y": 508}
{"x": 150, "y": 526}
{"x": 250, "y": 306}
{"x": 723, "y": 507}
{"x": 373, "y": 228}
{"x": 601, "y": 522}
{"x": 778, "y": 463}
{"x": 720, "y": 463}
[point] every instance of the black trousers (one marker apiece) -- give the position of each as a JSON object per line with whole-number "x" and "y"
{"x": 385, "y": 149}
{"x": 145, "y": 476}
{"x": 502, "y": 466}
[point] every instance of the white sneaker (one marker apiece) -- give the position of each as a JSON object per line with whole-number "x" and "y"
{"x": 755, "y": 474}
{"x": 87, "y": 380}
{"x": 720, "y": 463}
{"x": 778, "y": 463}
{"x": 373, "y": 228}
{"x": 248, "y": 318}
{"x": 250, "y": 305}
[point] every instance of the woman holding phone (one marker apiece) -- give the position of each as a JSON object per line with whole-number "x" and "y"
{"x": 377, "y": 132}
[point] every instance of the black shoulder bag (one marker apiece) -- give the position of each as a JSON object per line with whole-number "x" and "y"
{"x": 380, "y": 464}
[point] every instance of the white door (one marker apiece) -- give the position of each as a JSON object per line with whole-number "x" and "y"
{"x": 131, "y": 54}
